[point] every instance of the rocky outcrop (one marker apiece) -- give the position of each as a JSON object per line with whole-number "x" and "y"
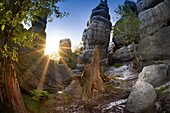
{"x": 123, "y": 54}
{"x": 66, "y": 56}
{"x": 121, "y": 33}
{"x": 153, "y": 49}
{"x": 65, "y": 49}
{"x": 156, "y": 75}
{"x": 85, "y": 56}
{"x": 141, "y": 97}
{"x": 145, "y": 4}
{"x": 97, "y": 32}
{"x": 155, "y": 32}
{"x": 34, "y": 67}
{"x": 39, "y": 27}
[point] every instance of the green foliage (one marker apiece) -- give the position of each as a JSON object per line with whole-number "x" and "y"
{"x": 13, "y": 13}
{"x": 33, "y": 105}
{"x": 127, "y": 26}
{"x": 79, "y": 48}
{"x": 163, "y": 88}
{"x": 117, "y": 65}
{"x": 39, "y": 95}
{"x": 45, "y": 106}
{"x": 2, "y": 27}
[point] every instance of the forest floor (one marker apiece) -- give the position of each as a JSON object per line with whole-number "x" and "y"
{"x": 111, "y": 101}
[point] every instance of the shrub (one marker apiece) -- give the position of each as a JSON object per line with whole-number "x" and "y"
{"x": 39, "y": 95}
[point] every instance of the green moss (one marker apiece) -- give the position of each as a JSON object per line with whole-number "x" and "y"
{"x": 33, "y": 105}
{"x": 43, "y": 106}
{"x": 117, "y": 65}
{"x": 161, "y": 89}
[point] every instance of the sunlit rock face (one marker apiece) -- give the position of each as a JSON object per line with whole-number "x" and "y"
{"x": 154, "y": 30}
{"x": 119, "y": 38}
{"x": 97, "y": 32}
{"x": 34, "y": 67}
{"x": 65, "y": 49}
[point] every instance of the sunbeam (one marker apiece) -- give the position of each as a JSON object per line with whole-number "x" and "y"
{"x": 42, "y": 79}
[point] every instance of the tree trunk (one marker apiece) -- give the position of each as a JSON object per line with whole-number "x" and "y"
{"x": 91, "y": 78}
{"x": 12, "y": 89}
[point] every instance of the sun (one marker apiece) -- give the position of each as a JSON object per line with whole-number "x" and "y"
{"x": 51, "y": 49}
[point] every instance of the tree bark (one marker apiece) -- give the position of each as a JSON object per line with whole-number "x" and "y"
{"x": 12, "y": 89}
{"x": 91, "y": 78}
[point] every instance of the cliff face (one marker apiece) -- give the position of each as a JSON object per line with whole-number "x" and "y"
{"x": 153, "y": 50}
{"x": 97, "y": 33}
{"x": 154, "y": 16}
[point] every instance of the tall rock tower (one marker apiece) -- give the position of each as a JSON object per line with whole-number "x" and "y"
{"x": 97, "y": 33}
{"x": 39, "y": 27}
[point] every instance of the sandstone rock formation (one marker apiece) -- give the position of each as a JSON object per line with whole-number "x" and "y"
{"x": 154, "y": 30}
{"x": 156, "y": 75}
{"x": 65, "y": 49}
{"x": 119, "y": 38}
{"x": 39, "y": 27}
{"x": 34, "y": 69}
{"x": 66, "y": 56}
{"x": 153, "y": 49}
{"x": 97, "y": 32}
{"x": 145, "y": 4}
{"x": 123, "y": 54}
{"x": 141, "y": 98}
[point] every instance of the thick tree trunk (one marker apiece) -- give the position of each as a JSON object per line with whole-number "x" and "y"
{"x": 12, "y": 89}
{"x": 91, "y": 78}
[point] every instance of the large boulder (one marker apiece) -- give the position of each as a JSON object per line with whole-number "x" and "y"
{"x": 74, "y": 88}
{"x": 85, "y": 56}
{"x": 97, "y": 32}
{"x": 33, "y": 67}
{"x": 156, "y": 75}
{"x": 141, "y": 97}
{"x": 123, "y": 54}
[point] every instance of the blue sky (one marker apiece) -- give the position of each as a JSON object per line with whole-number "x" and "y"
{"x": 72, "y": 26}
